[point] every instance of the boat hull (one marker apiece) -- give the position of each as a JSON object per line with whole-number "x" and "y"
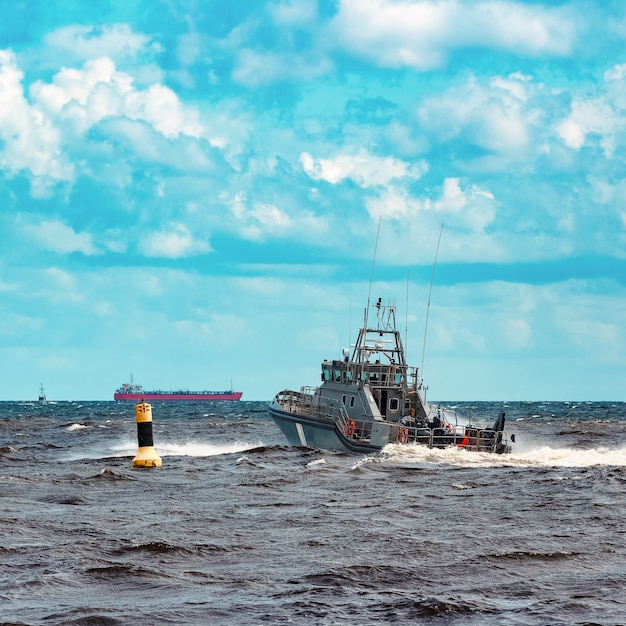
{"x": 301, "y": 430}
{"x": 177, "y": 397}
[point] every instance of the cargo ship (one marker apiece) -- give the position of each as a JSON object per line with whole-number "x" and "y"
{"x": 136, "y": 393}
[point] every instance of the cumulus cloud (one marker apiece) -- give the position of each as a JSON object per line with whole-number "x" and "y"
{"x": 37, "y": 134}
{"x": 173, "y": 243}
{"x": 29, "y": 139}
{"x": 601, "y": 115}
{"x": 592, "y": 117}
{"x": 494, "y": 117}
{"x": 366, "y": 170}
{"x": 98, "y": 90}
{"x": 406, "y": 33}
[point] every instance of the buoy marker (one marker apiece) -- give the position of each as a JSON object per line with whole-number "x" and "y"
{"x": 146, "y": 455}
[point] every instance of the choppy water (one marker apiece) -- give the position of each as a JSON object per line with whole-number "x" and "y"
{"x": 238, "y": 528}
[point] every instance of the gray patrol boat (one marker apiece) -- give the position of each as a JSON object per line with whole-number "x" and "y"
{"x": 371, "y": 398}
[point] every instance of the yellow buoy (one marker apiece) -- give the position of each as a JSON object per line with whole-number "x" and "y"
{"x": 146, "y": 455}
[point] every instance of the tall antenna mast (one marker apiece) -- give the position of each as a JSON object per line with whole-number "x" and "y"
{"x": 406, "y": 315}
{"x": 432, "y": 278}
{"x": 369, "y": 292}
{"x": 343, "y": 350}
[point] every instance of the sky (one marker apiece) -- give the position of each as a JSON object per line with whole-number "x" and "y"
{"x": 202, "y": 194}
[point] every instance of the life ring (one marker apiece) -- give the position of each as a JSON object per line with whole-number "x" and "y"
{"x": 403, "y": 435}
{"x": 350, "y": 428}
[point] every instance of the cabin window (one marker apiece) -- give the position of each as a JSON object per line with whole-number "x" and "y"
{"x": 394, "y": 403}
{"x": 352, "y": 399}
{"x": 326, "y": 374}
{"x": 343, "y": 399}
{"x": 338, "y": 376}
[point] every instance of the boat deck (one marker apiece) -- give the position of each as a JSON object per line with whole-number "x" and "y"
{"x": 311, "y": 406}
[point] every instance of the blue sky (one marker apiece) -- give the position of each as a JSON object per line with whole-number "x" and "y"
{"x": 190, "y": 191}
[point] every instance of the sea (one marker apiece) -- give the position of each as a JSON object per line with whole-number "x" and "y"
{"x": 237, "y": 527}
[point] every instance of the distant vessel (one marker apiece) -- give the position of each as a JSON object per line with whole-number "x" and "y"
{"x": 134, "y": 392}
{"x": 42, "y": 393}
{"x": 372, "y": 398}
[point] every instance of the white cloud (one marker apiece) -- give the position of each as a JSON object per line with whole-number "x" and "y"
{"x": 29, "y": 141}
{"x": 99, "y": 90}
{"x": 617, "y": 72}
{"x": 37, "y": 135}
{"x": 411, "y": 225}
{"x": 473, "y": 208}
{"x": 174, "y": 243}
{"x": 271, "y": 217}
{"x": 405, "y": 33}
{"x": 587, "y": 117}
{"x": 72, "y": 85}
{"x": 60, "y": 279}
{"x": 82, "y": 42}
{"x": 591, "y": 333}
{"x": 492, "y": 117}
{"x": 366, "y": 170}
{"x": 263, "y": 220}
{"x": 598, "y": 116}
{"x": 161, "y": 107}
{"x": 219, "y": 331}
{"x": 56, "y": 236}
{"x": 572, "y": 133}
{"x": 519, "y": 333}
{"x": 253, "y": 68}
{"x": 260, "y": 220}
{"x": 294, "y": 12}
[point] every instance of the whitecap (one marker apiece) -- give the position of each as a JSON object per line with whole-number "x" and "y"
{"x": 317, "y": 463}
{"x": 544, "y": 456}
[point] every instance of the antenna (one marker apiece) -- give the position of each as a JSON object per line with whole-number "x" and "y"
{"x": 432, "y": 278}
{"x": 350, "y": 324}
{"x": 406, "y": 315}
{"x": 369, "y": 292}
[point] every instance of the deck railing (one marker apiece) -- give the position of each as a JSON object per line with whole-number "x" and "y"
{"x": 307, "y": 402}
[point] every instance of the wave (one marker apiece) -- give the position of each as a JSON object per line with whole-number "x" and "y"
{"x": 544, "y": 456}
{"x": 76, "y": 427}
{"x": 195, "y": 449}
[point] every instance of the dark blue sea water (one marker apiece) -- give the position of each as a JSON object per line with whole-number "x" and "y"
{"x": 238, "y": 528}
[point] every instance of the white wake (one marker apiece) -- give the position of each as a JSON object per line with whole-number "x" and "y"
{"x": 544, "y": 456}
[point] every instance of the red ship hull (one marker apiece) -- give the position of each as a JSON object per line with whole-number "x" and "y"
{"x": 168, "y": 397}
